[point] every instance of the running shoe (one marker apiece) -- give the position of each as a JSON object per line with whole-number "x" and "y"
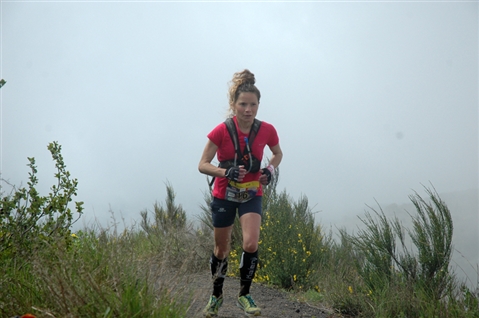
{"x": 247, "y": 304}
{"x": 211, "y": 310}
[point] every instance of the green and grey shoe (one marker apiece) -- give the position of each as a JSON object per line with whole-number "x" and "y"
{"x": 211, "y": 310}
{"x": 247, "y": 304}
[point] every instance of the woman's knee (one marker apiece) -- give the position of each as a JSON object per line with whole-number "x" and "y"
{"x": 250, "y": 246}
{"x": 222, "y": 242}
{"x": 222, "y": 251}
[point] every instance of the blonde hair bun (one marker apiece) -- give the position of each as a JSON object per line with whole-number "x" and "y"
{"x": 244, "y": 77}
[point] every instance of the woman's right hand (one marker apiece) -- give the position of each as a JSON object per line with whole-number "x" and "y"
{"x": 235, "y": 173}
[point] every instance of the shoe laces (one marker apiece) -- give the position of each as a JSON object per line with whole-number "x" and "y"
{"x": 214, "y": 302}
{"x": 250, "y": 300}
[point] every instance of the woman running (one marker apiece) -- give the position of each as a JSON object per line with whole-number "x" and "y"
{"x": 238, "y": 144}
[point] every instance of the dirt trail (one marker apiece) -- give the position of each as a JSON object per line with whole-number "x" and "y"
{"x": 273, "y": 302}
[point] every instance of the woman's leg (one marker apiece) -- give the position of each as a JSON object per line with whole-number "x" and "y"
{"x": 250, "y": 225}
{"x": 223, "y": 214}
{"x": 222, "y": 237}
{"x": 219, "y": 261}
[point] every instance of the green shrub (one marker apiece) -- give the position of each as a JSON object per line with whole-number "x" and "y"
{"x": 166, "y": 219}
{"x": 106, "y": 274}
{"x": 416, "y": 277}
{"x": 28, "y": 220}
{"x": 337, "y": 278}
{"x": 51, "y": 272}
{"x": 291, "y": 244}
{"x": 172, "y": 238}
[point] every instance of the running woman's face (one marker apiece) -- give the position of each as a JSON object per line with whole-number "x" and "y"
{"x": 246, "y": 107}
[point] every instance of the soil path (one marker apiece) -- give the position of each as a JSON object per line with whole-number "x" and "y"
{"x": 273, "y": 302}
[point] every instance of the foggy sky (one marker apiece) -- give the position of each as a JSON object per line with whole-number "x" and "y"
{"x": 371, "y": 100}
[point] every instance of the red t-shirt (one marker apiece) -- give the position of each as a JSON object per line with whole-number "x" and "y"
{"x": 220, "y": 136}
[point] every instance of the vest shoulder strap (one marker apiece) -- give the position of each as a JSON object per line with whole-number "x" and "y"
{"x": 254, "y": 130}
{"x": 230, "y": 125}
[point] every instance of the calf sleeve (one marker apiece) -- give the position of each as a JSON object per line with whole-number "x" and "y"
{"x": 218, "y": 272}
{"x": 248, "y": 264}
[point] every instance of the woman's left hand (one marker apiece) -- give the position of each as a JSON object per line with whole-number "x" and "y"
{"x": 266, "y": 175}
{"x": 263, "y": 179}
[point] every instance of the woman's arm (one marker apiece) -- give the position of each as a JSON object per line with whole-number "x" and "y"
{"x": 205, "y": 165}
{"x": 277, "y": 156}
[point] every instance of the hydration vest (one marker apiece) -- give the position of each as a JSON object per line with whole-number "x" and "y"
{"x": 242, "y": 157}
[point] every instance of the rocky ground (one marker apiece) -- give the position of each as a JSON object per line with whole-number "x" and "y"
{"x": 273, "y": 302}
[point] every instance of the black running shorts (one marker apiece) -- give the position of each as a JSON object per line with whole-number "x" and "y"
{"x": 224, "y": 212}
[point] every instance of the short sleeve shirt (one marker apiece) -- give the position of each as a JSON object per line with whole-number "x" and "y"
{"x": 267, "y": 136}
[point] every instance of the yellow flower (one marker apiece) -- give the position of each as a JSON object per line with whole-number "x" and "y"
{"x": 350, "y": 289}
{"x": 74, "y": 235}
{"x": 294, "y": 277}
